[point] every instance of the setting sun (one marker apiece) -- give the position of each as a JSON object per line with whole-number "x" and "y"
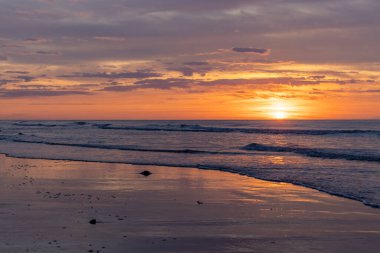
{"x": 279, "y": 109}
{"x": 279, "y": 115}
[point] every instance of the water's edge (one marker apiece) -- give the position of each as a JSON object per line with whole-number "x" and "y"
{"x": 219, "y": 168}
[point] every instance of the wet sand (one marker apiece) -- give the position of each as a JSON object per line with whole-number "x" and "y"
{"x": 46, "y": 206}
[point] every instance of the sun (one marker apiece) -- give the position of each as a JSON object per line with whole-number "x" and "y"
{"x": 279, "y": 115}
{"x": 277, "y": 109}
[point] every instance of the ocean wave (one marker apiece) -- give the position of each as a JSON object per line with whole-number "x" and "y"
{"x": 320, "y": 153}
{"x": 310, "y": 152}
{"x": 124, "y": 147}
{"x": 22, "y": 124}
{"x": 199, "y": 128}
{"x": 35, "y": 124}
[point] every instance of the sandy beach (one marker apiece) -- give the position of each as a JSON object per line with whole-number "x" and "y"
{"x": 46, "y": 206}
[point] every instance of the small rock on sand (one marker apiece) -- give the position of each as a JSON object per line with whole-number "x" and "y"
{"x": 146, "y": 173}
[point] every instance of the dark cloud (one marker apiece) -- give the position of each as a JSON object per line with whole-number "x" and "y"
{"x": 317, "y": 77}
{"x": 120, "y": 88}
{"x": 109, "y": 38}
{"x": 291, "y": 81}
{"x": 113, "y": 75}
{"x": 187, "y": 83}
{"x": 315, "y": 74}
{"x": 5, "y": 81}
{"x": 88, "y": 85}
{"x": 47, "y": 53}
{"x": 35, "y": 40}
{"x": 161, "y": 84}
{"x": 261, "y": 51}
{"x": 185, "y": 71}
{"x": 26, "y": 78}
{"x": 193, "y": 67}
{"x": 16, "y": 72}
{"x": 3, "y": 58}
{"x": 166, "y": 84}
{"x": 38, "y": 93}
{"x": 355, "y": 91}
{"x": 371, "y": 91}
{"x": 196, "y": 63}
{"x": 36, "y": 87}
{"x": 186, "y": 6}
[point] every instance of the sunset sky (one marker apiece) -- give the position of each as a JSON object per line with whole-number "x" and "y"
{"x": 189, "y": 59}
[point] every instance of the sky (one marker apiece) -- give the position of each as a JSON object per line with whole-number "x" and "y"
{"x": 189, "y": 59}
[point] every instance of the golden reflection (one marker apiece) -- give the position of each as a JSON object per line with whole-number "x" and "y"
{"x": 277, "y": 160}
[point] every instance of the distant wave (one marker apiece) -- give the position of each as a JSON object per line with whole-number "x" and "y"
{"x": 199, "y": 128}
{"x": 125, "y": 148}
{"x": 320, "y": 153}
{"x": 36, "y": 125}
{"x": 31, "y": 124}
{"x": 204, "y": 129}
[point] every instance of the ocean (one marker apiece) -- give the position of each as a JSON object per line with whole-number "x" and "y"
{"x": 337, "y": 157}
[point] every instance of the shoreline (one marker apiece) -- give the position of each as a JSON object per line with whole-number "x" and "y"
{"x": 206, "y": 168}
{"x": 46, "y": 206}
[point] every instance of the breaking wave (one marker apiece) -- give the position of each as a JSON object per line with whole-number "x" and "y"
{"x": 326, "y": 153}
{"x": 199, "y": 128}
